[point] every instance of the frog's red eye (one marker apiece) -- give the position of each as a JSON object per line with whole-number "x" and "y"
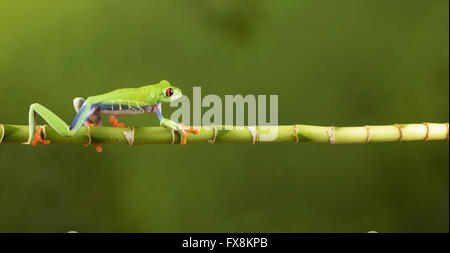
{"x": 169, "y": 92}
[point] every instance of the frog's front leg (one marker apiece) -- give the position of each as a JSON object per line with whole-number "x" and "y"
{"x": 172, "y": 125}
{"x": 180, "y": 128}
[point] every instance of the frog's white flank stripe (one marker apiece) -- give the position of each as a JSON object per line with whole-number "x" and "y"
{"x": 254, "y": 132}
{"x": 214, "y": 138}
{"x": 331, "y": 136}
{"x": 173, "y": 136}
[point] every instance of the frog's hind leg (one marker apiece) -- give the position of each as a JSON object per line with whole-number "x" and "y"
{"x": 78, "y": 103}
{"x": 114, "y": 119}
{"x": 84, "y": 113}
{"x": 35, "y": 137}
{"x": 39, "y": 137}
{"x": 55, "y": 122}
{"x": 94, "y": 120}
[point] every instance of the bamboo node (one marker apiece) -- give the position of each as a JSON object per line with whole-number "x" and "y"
{"x": 446, "y": 124}
{"x": 331, "y": 137}
{"x": 254, "y": 133}
{"x": 400, "y": 128}
{"x": 369, "y": 134}
{"x": 3, "y": 133}
{"x": 296, "y": 133}
{"x": 129, "y": 135}
{"x": 214, "y": 137}
{"x": 88, "y": 135}
{"x": 428, "y": 131}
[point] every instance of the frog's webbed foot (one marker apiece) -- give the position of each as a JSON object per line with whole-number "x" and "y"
{"x": 115, "y": 121}
{"x": 187, "y": 130}
{"x": 39, "y": 137}
{"x": 180, "y": 128}
{"x": 97, "y": 146}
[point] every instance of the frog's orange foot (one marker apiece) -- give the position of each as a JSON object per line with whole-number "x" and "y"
{"x": 115, "y": 122}
{"x": 39, "y": 137}
{"x": 97, "y": 146}
{"x": 188, "y": 130}
{"x": 90, "y": 123}
{"x": 93, "y": 124}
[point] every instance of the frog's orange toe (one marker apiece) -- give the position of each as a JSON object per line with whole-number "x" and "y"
{"x": 38, "y": 137}
{"x": 188, "y": 130}
{"x": 115, "y": 122}
{"x": 184, "y": 141}
{"x": 98, "y": 147}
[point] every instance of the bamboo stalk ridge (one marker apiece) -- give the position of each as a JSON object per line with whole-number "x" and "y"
{"x": 10, "y": 134}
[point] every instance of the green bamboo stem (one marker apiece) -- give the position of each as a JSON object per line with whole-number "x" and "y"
{"x": 287, "y": 133}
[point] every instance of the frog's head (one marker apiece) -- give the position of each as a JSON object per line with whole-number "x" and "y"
{"x": 167, "y": 92}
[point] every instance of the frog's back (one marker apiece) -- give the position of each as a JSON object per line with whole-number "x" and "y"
{"x": 125, "y": 95}
{"x": 126, "y": 101}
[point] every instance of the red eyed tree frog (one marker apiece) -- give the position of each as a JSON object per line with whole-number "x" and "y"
{"x": 121, "y": 102}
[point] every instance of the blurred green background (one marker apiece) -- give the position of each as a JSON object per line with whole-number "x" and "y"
{"x": 347, "y": 62}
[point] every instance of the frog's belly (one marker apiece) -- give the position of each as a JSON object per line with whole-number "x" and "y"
{"x": 124, "y": 110}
